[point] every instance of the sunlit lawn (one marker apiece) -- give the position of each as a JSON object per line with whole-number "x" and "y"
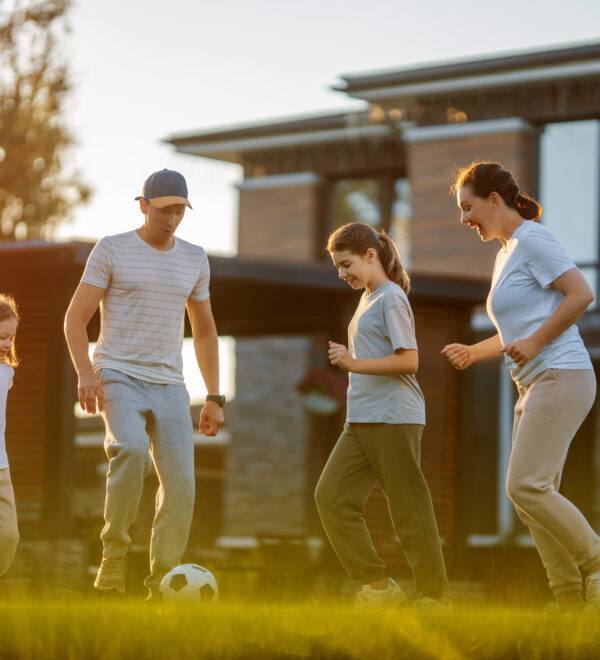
{"x": 90, "y": 627}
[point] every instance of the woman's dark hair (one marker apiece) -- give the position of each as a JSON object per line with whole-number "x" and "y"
{"x": 358, "y": 237}
{"x": 8, "y": 310}
{"x": 486, "y": 178}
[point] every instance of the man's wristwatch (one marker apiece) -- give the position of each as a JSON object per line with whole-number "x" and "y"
{"x": 216, "y": 398}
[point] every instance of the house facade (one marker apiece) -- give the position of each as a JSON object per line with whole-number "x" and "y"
{"x": 392, "y": 164}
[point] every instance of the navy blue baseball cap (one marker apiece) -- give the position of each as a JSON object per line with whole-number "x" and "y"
{"x": 164, "y": 188}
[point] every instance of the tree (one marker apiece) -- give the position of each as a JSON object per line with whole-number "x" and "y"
{"x": 36, "y": 190}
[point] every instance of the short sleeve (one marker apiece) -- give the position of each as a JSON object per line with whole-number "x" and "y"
{"x": 399, "y": 323}
{"x": 200, "y": 290}
{"x": 98, "y": 269}
{"x": 6, "y": 376}
{"x": 546, "y": 257}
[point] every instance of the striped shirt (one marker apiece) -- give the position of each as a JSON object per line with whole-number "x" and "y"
{"x": 143, "y": 309}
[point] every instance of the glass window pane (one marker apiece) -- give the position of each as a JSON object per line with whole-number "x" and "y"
{"x": 400, "y": 222}
{"x": 356, "y": 200}
{"x": 569, "y": 182}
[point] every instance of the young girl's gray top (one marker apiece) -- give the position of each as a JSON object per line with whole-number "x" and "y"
{"x": 382, "y": 323}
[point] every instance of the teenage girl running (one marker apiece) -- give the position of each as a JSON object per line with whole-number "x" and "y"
{"x": 382, "y": 435}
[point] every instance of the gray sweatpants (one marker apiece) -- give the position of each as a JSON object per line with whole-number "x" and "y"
{"x": 389, "y": 454}
{"x": 143, "y": 417}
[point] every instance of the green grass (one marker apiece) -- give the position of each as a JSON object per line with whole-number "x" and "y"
{"x": 76, "y": 628}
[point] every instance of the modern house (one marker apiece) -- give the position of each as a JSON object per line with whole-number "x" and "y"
{"x": 390, "y": 164}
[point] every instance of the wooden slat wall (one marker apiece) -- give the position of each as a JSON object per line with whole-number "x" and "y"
{"x": 279, "y": 222}
{"x": 440, "y": 245}
{"x": 34, "y": 431}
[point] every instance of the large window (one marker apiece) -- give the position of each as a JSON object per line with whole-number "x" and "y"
{"x": 381, "y": 201}
{"x": 569, "y": 190}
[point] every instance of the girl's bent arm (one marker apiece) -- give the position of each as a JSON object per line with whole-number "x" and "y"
{"x": 404, "y": 361}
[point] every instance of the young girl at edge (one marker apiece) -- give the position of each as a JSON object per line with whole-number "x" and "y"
{"x": 9, "y": 532}
{"x": 382, "y": 435}
{"x": 536, "y": 296}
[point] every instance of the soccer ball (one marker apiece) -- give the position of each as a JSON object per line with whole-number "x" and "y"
{"x": 190, "y": 583}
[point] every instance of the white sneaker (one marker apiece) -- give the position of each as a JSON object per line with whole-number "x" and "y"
{"x": 391, "y": 595}
{"x": 592, "y": 592}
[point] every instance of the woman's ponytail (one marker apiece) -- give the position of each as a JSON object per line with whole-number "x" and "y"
{"x": 527, "y": 207}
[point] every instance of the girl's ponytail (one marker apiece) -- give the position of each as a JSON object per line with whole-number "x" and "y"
{"x": 390, "y": 260}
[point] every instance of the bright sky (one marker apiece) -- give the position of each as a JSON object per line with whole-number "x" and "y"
{"x": 141, "y": 72}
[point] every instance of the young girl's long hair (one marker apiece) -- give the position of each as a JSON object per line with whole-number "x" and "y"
{"x": 8, "y": 310}
{"x": 358, "y": 237}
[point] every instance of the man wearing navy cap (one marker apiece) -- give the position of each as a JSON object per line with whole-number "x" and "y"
{"x": 143, "y": 280}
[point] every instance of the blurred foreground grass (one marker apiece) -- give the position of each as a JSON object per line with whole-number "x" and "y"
{"x": 77, "y": 628}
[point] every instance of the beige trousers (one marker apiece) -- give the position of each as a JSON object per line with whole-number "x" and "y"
{"x": 9, "y": 532}
{"x": 547, "y": 415}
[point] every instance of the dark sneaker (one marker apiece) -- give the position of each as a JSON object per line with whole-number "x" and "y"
{"x": 153, "y": 598}
{"x": 111, "y": 575}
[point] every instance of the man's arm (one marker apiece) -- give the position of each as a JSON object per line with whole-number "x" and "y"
{"x": 206, "y": 347}
{"x": 84, "y": 303}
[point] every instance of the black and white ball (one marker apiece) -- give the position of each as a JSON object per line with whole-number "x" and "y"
{"x": 190, "y": 583}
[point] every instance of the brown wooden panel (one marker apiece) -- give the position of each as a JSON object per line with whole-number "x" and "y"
{"x": 35, "y": 431}
{"x": 440, "y": 245}
{"x": 279, "y": 222}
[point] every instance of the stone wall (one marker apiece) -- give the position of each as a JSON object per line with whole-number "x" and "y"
{"x": 266, "y": 485}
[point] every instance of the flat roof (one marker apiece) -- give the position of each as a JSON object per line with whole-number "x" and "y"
{"x": 355, "y": 83}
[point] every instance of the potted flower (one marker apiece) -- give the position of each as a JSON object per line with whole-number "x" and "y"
{"x": 323, "y": 390}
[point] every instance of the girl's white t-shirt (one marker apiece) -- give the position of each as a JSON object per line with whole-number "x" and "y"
{"x": 521, "y": 300}
{"x": 6, "y": 381}
{"x": 382, "y": 323}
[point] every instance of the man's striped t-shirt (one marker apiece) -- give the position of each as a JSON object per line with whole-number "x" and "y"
{"x": 143, "y": 308}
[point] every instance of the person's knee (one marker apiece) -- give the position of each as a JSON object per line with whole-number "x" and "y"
{"x": 132, "y": 453}
{"x": 323, "y": 496}
{"x": 521, "y": 490}
{"x": 9, "y": 540}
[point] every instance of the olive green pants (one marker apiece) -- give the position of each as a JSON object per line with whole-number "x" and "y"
{"x": 389, "y": 454}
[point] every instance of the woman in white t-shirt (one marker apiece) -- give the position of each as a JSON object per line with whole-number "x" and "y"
{"x": 9, "y": 533}
{"x": 536, "y": 296}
